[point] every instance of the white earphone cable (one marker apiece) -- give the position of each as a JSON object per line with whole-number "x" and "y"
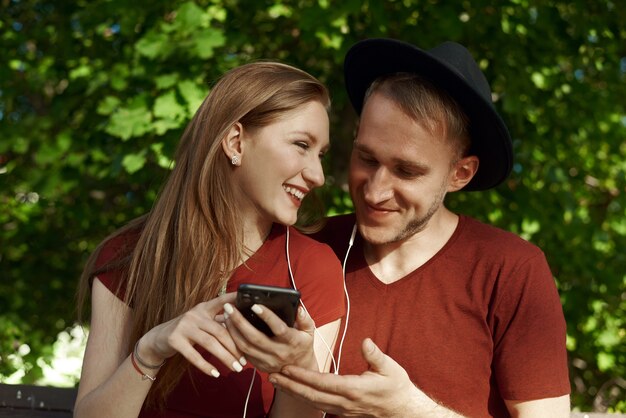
{"x": 293, "y": 283}
{"x": 245, "y": 407}
{"x": 345, "y": 289}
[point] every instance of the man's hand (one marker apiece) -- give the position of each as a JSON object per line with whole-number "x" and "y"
{"x": 385, "y": 390}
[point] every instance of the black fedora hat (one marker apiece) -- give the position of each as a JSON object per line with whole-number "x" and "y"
{"x": 449, "y": 66}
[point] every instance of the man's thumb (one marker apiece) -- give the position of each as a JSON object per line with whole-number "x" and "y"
{"x": 373, "y": 355}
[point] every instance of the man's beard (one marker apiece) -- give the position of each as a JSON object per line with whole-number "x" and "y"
{"x": 418, "y": 224}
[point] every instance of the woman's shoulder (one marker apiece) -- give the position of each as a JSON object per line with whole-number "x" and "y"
{"x": 113, "y": 258}
{"x": 119, "y": 245}
{"x": 305, "y": 241}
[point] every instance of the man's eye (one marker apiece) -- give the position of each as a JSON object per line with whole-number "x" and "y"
{"x": 404, "y": 173}
{"x": 368, "y": 160}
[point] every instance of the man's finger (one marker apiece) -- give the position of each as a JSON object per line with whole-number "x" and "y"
{"x": 321, "y": 400}
{"x": 324, "y": 382}
{"x": 373, "y": 355}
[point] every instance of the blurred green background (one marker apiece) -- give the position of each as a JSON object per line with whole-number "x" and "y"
{"x": 94, "y": 96}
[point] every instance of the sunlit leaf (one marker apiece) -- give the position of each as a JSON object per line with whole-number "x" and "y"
{"x": 134, "y": 162}
{"x": 207, "y": 40}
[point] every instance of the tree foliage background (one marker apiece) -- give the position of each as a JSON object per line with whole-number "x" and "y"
{"x": 94, "y": 96}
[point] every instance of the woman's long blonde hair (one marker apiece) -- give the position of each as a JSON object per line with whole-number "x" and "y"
{"x": 191, "y": 241}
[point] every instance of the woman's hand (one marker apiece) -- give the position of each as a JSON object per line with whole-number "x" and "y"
{"x": 288, "y": 346}
{"x": 196, "y": 327}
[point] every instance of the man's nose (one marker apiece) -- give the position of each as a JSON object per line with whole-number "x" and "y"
{"x": 379, "y": 186}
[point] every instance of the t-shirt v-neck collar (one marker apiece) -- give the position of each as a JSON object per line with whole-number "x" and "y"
{"x": 434, "y": 259}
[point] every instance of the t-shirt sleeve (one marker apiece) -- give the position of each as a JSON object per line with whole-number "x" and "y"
{"x": 106, "y": 269}
{"x": 320, "y": 281}
{"x": 530, "y": 357}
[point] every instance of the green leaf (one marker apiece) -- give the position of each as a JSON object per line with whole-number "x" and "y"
{"x": 162, "y": 159}
{"x": 605, "y": 361}
{"x": 20, "y": 145}
{"x": 127, "y": 123}
{"x": 278, "y": 10}
{"x": 165, "y": 81}
{"x": 52, "y": 151}
{"x": 163, "y": 125}
{"x": 189, "y": 16}
{"x": 82, "y": 71}
{"x": 134, "y": 162}
{"x": 166, "y": 106}
{"x": 108, "y": 105}
{"x": 193, "y": 94}
{"x": 153, "y": 44}
{"x": 207, "y": 40}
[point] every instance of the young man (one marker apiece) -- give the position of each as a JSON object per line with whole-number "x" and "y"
{"x": 449, "y": 317}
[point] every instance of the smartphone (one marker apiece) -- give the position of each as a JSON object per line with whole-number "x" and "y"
{"x": 283, "y": 301}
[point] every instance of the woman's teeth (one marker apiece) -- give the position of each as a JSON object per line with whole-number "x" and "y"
{"x": 294, "y": 192}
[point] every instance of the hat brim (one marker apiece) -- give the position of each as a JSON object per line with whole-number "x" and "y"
{"x": 491, "y": 142}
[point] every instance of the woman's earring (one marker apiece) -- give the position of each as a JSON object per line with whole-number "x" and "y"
{"x": 235, "y": 160}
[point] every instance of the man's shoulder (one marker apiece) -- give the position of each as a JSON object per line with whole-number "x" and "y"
{"x": 336, "y": 231}
{"x": 499, "y": 239}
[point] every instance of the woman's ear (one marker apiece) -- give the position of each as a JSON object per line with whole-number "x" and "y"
{"x": 462, "y": 172}
{"x": 231, "y": 144}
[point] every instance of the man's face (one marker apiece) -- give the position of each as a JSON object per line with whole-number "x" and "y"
{"x": 399, "y": 173}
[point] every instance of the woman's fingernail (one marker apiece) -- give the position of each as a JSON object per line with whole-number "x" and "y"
{"x": 243, "y": 361}
{"x": 237, "y": 366}
{"x": 301, "y": 313}
{"x": 228, "y": 308}
{"x": 257, "y": 309}
{"x": 215, "y": 373}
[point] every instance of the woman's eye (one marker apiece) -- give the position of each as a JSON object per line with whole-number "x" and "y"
{"x": 302, "y": 145}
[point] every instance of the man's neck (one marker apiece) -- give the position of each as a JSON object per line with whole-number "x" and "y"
{"x": 391, "y": 262}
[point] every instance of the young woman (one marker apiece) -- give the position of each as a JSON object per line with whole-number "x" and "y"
{"x": 165, "y": 339}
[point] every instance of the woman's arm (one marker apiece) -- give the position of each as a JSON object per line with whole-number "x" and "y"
{"x": 110, "y": 386}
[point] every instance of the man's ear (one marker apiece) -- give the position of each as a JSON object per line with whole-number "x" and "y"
{"x": 462, "y": 172}
{"x": 231, "y": 144}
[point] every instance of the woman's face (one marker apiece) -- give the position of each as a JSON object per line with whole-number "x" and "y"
{"x": 281, "y": 163}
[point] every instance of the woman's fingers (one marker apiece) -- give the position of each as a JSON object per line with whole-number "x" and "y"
{"x": 218, "y": 342}
{"x": 274, "y": 322}
{"x": 243, "y": 333}
{"x": 287, "y": 346}
{"x": 198, "y": 328}
{"x": 304, "y": 322}
{"x": 196, "y": 359}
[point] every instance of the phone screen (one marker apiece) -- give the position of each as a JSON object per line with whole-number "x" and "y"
{"x": 282, "y": 301}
